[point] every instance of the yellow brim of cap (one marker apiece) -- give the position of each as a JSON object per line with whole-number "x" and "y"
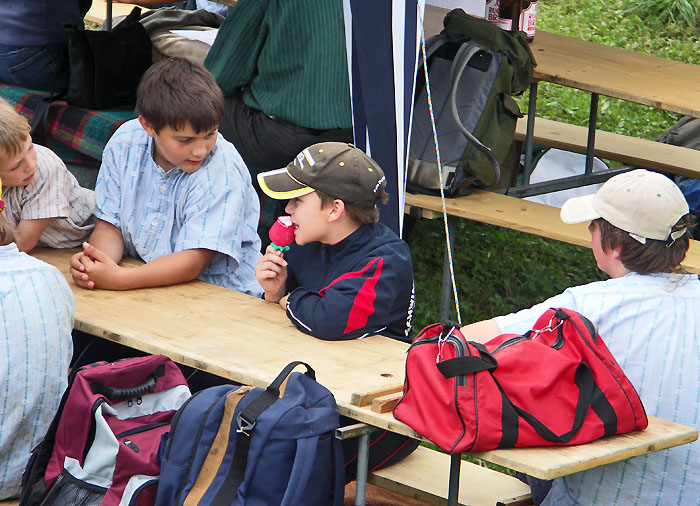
{"x": 279, "y": 185}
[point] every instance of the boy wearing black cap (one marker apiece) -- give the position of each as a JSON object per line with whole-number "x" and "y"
{"x": 347, "y": 276}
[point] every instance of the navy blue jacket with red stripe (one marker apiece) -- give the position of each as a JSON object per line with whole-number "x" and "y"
{"x": 360, "y": 286}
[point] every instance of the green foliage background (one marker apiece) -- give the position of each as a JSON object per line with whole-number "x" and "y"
{"x": 499, "y": 270}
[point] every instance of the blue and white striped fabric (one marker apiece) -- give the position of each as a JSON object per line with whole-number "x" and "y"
{"x": 159, "y": 213}
{"x": 651, "y": 324}
{"x": 382, "y": 43}
{"x": 36, "y": 320}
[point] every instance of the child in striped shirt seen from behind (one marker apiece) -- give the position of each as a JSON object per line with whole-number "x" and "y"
{"x": 173, "y": 193}
{"x": 43, "y": 201}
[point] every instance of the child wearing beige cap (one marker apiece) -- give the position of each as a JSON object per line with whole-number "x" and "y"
{"x": 648, "y": 313}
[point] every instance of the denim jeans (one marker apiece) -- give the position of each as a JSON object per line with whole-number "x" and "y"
{"x": 34, "y": 67}
{"x": 539, "y": 488}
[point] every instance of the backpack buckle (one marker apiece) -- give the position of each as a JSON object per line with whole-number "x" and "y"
{"x": 244, "y": 425}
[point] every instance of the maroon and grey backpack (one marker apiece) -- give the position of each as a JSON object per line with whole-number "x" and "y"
{"x": 102, "y": 445}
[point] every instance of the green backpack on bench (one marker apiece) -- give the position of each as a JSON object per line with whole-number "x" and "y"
{"x": 474, "y": 69}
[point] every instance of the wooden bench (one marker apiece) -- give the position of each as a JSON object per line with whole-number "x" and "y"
{"x": 10, "y": 502}
{"x": 652, "y": 155}
{"x": 422, "y": 476}
{"x": 522, "y": 215}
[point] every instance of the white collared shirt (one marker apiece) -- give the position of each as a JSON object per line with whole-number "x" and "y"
{"x": 651, "y": 324}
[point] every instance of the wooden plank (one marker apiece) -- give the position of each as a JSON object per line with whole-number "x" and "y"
{"x": 10, "y": 502}
{"x": 362, "y": 399}
{"x": 622, "y": 148}
{"x": 98, "y": 11}
{"x": 551, "y": 462}
{"x": 230, "y": 334}
{"x": 524, "y": 216}
{"x": 423, "y": 475}
{"x": 386, "y": 403}
{"x": 619, "y": 73}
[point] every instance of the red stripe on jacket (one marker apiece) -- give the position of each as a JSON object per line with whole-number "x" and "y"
{"x": 363, "y": 305}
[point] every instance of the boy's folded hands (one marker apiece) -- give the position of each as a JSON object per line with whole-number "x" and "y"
{"x": 93, "y": 268}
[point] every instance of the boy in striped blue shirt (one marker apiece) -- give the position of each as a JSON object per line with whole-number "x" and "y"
{"x": 173, "y": 193}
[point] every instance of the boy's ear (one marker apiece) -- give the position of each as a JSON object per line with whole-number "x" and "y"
{"x": 147, "y": 126}
{"x": 337, "y": 211}
{"x": 617, "y": 252}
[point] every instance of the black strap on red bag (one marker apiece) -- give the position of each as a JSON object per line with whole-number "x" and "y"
{"x": 479, "y": 396}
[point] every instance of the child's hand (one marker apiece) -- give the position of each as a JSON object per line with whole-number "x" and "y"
{"x": 94, "y": 269}
{"x": 271, "y": 273}
{"x": 77, "y": 271}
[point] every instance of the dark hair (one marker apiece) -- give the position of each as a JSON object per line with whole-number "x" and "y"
{"x": 362, "y": 215}
{"x": 653, "y": 256}
{"x": 175, "y": 92}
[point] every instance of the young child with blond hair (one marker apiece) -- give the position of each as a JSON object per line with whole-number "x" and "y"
{"x": 43, "y": 201}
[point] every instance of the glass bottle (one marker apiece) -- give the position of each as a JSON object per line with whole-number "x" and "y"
{"x": 509, "y": 15}
{"x": 528, "y": 18}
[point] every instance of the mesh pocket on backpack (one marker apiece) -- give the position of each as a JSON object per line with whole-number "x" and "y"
{"x": 67, "y": 489}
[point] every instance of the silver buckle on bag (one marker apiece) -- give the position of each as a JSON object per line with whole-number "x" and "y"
{"x": 548, "y": 328}
{"x": 441, "y": 342}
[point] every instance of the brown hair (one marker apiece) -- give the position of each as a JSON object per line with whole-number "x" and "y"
{"x": 175, "y": 92}
{"x": 14, "y": 130}
{"x": 362, "y": 215}
{"x": 653, "y": 256}
{"x": 7, "y": 234}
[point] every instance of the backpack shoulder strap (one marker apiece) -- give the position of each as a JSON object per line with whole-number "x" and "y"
{"x": 246, "y": 421}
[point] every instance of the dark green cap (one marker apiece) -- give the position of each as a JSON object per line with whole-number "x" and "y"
{"x": 338, "y": 169}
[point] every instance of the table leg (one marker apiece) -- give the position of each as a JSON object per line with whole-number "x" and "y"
{"x": 453, "y": 492}
{"x": 362, "y": 462}
{"x": 361, "y": 431}
{"x": 529, "y": 133}
{"x": 592, "y": 121}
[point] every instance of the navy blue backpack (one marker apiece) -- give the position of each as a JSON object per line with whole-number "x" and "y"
{"x": 231, "y": 445}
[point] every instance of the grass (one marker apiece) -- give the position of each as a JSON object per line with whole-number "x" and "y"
{"x": 500, "y": 270}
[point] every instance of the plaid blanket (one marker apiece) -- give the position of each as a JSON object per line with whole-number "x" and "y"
{"x": 76, "y": 135}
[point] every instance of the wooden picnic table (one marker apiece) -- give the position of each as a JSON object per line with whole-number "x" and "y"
{"x": 618, "y": 73}
{"x": 248, "y": 340}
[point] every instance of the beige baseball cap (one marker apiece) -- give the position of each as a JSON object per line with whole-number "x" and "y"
{"x": 338, "y": 169}
{"x": 645, "y": 204}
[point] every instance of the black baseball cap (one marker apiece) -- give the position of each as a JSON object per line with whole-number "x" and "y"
{"x": 338, "y": 169}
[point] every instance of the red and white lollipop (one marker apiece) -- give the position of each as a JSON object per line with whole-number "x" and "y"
{"x": 282, "y": 233}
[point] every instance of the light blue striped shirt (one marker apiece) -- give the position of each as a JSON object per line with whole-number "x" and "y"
{"x": 36, "y": 320}
{"x": 159, "y": 213}
{"x": 652, "y": 328}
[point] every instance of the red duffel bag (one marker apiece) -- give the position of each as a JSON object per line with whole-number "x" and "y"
{"x": 556, "y": 385}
